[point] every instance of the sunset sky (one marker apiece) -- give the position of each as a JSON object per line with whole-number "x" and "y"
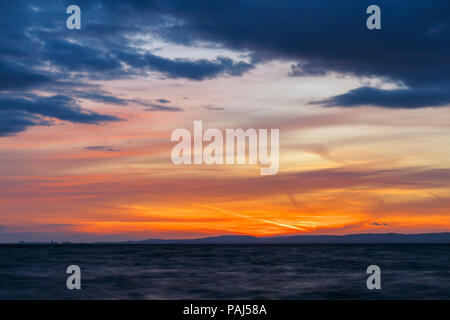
{"x": 86, "y": 118}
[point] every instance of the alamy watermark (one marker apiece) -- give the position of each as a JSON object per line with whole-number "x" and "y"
{"x": 194, "y": 152}
{"x": 74, "y": 20}
{"x": 374, "y": 280}
{"x": 74, "y": 280}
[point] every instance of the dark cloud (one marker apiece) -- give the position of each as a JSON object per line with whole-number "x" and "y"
{"x": 330, "y": 36}
{"x": 38, "y": 52}
{"x": 159, "y": 107}
{"x": 12, "y": 123}
{"x": 105, "y": 47}
{"x": 305, "y": 69}
{"x": 200, "y": 69}
{"x": 105, "y": 62}
{"x": 379, "y": 224}
{"x": 59, "y": 107}
{"x": 410, "y": 98}
{"x": 14, "y": 76}
{"x": 78, "y": 57}
{"x": 101, "y": 148}
{"x": 106, "y": 97}
{"x": 18, "y": 113}
{"x": 323, "y": 36}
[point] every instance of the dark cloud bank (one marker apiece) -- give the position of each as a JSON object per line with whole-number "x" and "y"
{"x": 412, "y": 49}
{"x": 324, "y": 36}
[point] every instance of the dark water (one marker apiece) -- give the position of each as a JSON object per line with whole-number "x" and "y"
{"x": 225, "y": 271}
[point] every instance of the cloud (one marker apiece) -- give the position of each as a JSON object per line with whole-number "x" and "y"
{"x": 37, "y": 51}
{"x": 14, "y": 76}
{"x": 78, "y": 57}
{"x": 379, "y": 224}
{"x": 159, "y": 107}
{"x": 395, "y": 98}
{"x": 18, "y": 113}
{"x": 411, "y": 48}
{"x": 103, "y": 50}
{"x": 211, "y": 108}
{"x": 59, "y": 107}
{"x": 191, "y": 69}
{"x": 12, "y": 122}
{"x": 319, "y": 181}
{"x": 101, "y": 148}
{"x": 305, "y": 69}
{"x": 107, "y": 61}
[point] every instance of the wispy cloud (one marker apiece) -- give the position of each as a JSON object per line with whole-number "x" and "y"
{"x": 101, "y": 148}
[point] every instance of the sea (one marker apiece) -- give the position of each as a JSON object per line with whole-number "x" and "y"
{"x": 225, "y": 271}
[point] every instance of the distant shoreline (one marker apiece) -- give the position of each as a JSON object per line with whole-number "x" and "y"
{"x": 366, "y": 238}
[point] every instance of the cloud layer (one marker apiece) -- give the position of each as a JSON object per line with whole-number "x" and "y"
{"x": 325, "y": 36}
{"x": 38, "y": 53}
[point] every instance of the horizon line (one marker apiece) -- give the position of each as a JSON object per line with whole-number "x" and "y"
{"x": 259, "y": 239}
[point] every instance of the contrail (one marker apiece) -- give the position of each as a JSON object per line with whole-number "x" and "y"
{"x": 252, "y": 218}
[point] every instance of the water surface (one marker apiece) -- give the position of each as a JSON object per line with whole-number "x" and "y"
{"x": 228, "y": 271}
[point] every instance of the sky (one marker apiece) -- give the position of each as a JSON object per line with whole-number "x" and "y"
{"x": 87, "y": 115}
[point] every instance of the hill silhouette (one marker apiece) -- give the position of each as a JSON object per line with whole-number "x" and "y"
{"x": 443, "y": 237}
